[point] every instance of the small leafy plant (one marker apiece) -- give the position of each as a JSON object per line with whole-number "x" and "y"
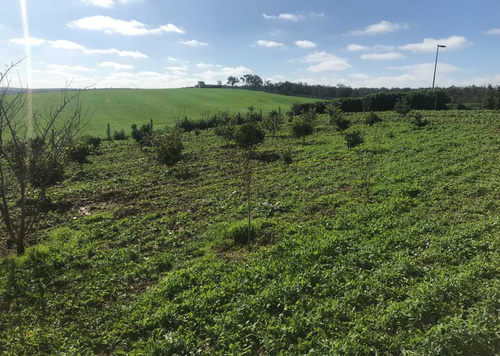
{"x": 353, "y": 139}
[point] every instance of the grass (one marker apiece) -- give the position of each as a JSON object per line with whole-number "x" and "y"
{"x": 123, "y": 107}
{"x": 147, "y": 260}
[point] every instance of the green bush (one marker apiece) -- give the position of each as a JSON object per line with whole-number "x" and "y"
{"x": 119, "y": 135}
{"x": 226, "y": 128}
{"x": 273, "y": 122}
{"x": 238, "y": 232}
{"x": 49, "y": 172}
{"x": 372, "y": 118}
{"x": 143, "y": 135}
{"x": 79, "y": 153}
{"x": 287, "y": 156}
{"x": 93, "y": 142}
{"x": 168, "y": 147}
{"x": 353, "y": 139}
{"x": 309, "y": 116}
{"x": 418, "y": 121}
{"x": 301, "y": 129}
{"x": 337, "y": 117}
{"x": 402, "y": 106}
{"x": 248, "y": 136}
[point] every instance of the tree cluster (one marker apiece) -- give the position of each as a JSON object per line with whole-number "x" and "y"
{"x": 33, "y": 146}
{"x": 458, "y": 95}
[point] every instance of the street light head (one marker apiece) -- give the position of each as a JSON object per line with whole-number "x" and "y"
{"x": 442, "y": 46}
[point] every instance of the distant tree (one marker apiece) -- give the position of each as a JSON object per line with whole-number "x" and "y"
{"x": 489, "y": 98}
{"x": 232, "y": 81}
{"x": 267, "y": 85}
{"x": 252, "y": 80}
{"x": 30, "y": 155}
{"x": 497, "y": 100}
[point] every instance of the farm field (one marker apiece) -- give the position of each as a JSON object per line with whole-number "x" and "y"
{"x": 389, "y": 248}
{"x": 123, "y": 107}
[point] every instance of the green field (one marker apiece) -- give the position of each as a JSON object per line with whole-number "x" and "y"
{"x": 123, "y": 107}
{"x": 390, "y": 248}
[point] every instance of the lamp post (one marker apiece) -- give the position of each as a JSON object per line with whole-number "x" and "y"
{"x": 436, "y": 63}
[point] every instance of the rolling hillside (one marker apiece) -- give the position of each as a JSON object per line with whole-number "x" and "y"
{"x": 123, "y": 107}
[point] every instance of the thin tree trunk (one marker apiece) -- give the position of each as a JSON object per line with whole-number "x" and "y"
{"x": 249, "y": 198}
{"x": 20, "y": 246}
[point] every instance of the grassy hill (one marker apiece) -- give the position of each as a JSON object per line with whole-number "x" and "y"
{"x": 390, "y": 248}
{"x": 123, "y": 107}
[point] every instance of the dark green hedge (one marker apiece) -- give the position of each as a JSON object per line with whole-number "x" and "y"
{"x": 418, "y": 100}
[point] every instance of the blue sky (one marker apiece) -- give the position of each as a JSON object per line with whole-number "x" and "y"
{"x": 175, "y": 43}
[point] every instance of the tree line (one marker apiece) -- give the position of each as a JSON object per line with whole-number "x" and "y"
{"x": 486, "y": 97}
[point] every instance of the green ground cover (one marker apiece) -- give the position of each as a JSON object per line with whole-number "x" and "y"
{"x": 123, "y": 107}
{"x": 139, "y": 259}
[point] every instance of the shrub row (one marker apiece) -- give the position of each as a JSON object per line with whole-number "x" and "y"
{"x": 221, "y": 118}
{"x": 418, "y": 100}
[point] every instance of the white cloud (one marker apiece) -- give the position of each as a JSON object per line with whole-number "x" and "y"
{"x": 132, "y": 54}
{"x": 177, "y": 71}
{"x": 203, "y": 65}
{"x": 193, "y": 43}
{"x": 376, "y": 48}
{"x": 222, "y": 73}
{"x": 379, "y": 28}
{"x": 493, "y": 31}
{"x": 382, "y": 56}
{"x": 325, "y": 62}
{"x": 128, "y": 28}
{"x": 293, "y": 17}
{"x": 117, "y": 66}
{"x": 100, "y": 3}
{"x": 289, "y": 17}
{"x": 146, "y": 79}
{"x": 359, "y": 76}
{"x": 107, "y": 3}
{"x": 430, "y": 44}
{"x": 269, "y": 44}
{"x": 28, "y": 41}
{"x": 357, "y": 48}
{"x": 63, "y": 44}
{"x": 305, "y": 44}
{"x": 277, "y": 78}
{"x": 426, "y": 69}
{"x": 66, "y": 68}
{"x": 178, "y": 68}
{"x": 177, "y": 60}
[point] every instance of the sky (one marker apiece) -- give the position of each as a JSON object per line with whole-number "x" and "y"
{"x": 176, "y": 43}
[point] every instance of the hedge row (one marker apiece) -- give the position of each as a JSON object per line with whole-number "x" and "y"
{"x": 427, "y": 99}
